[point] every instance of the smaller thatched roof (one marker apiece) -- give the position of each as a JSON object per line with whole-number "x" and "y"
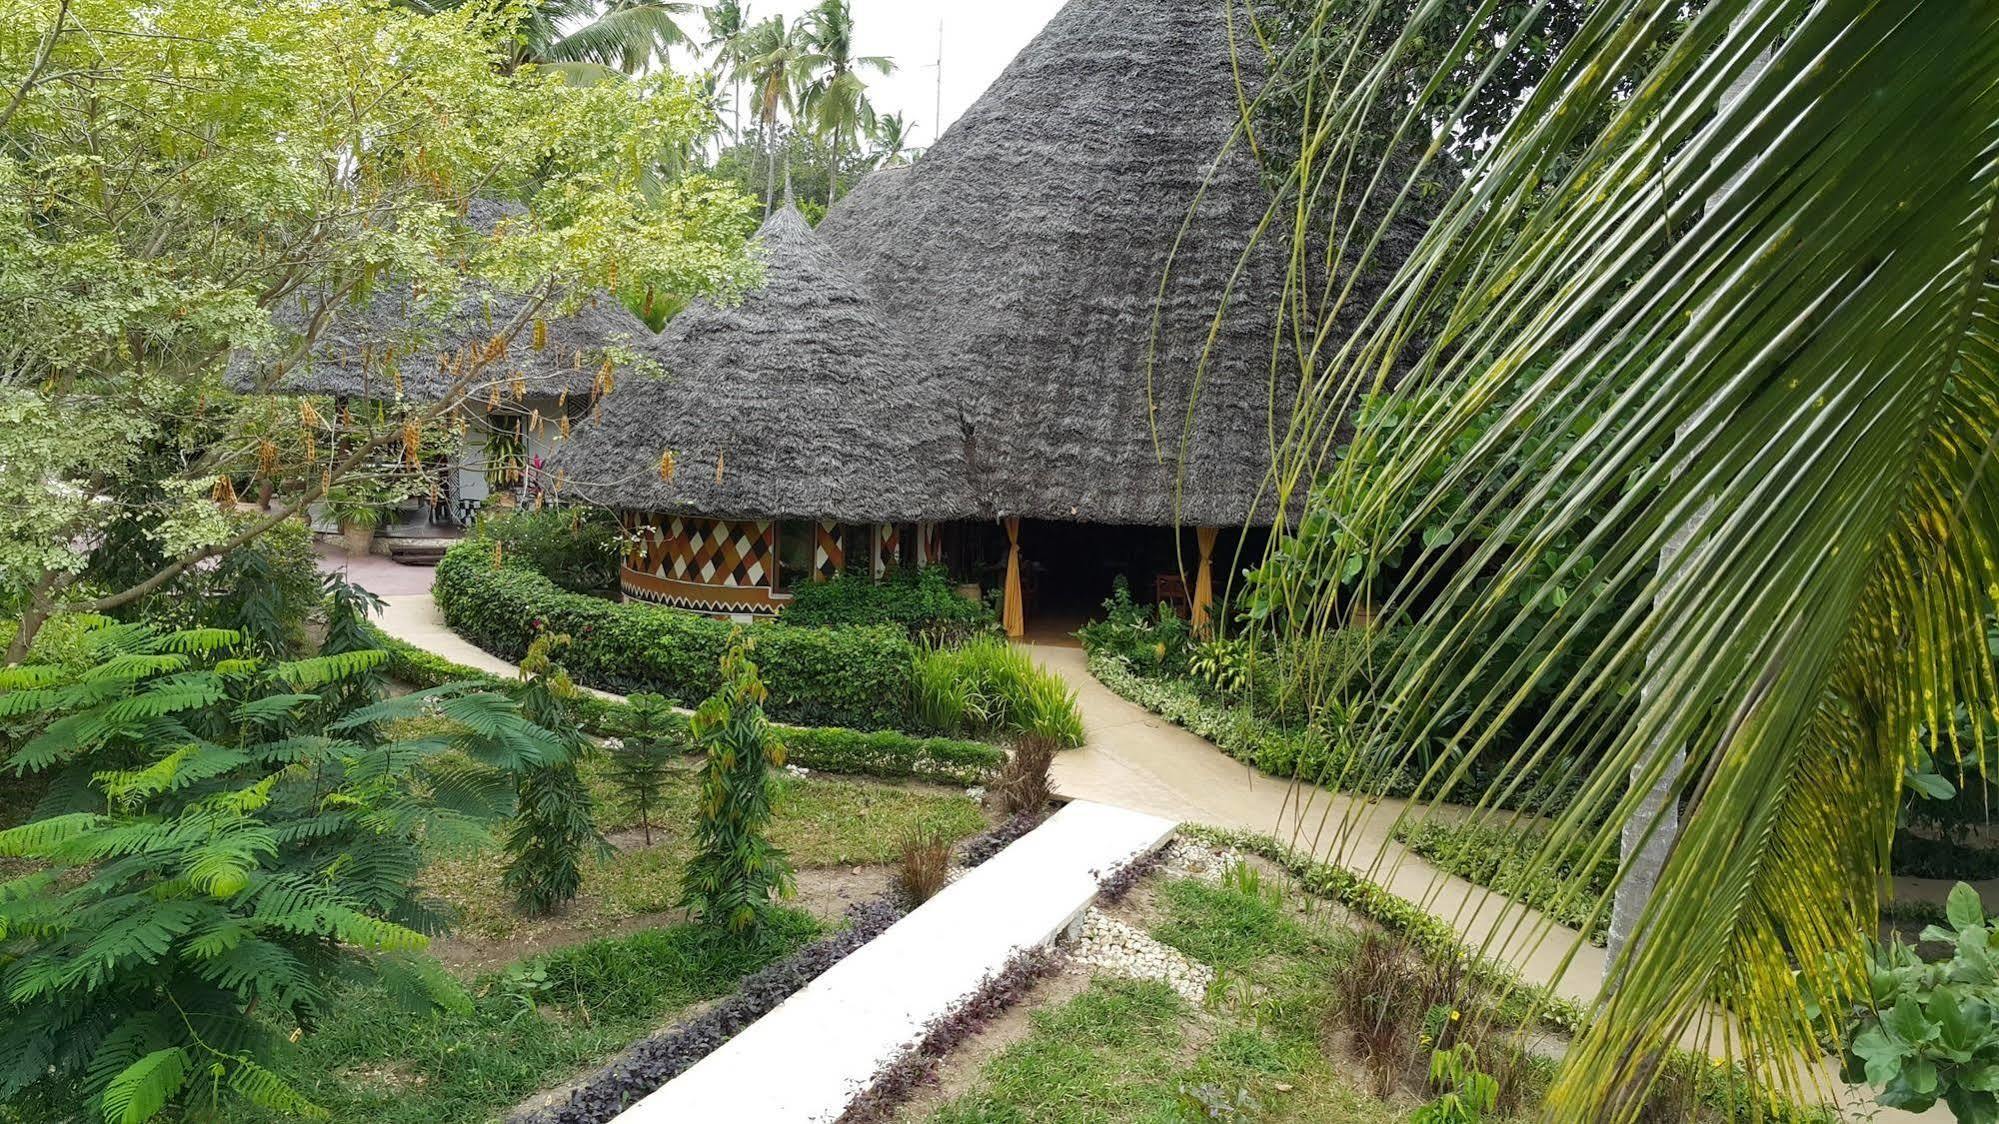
{"x": 800, "y": 402}
{"x": 395, "y": 345}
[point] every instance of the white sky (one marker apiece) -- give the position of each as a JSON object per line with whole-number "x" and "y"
{"x": 980, "y": 38}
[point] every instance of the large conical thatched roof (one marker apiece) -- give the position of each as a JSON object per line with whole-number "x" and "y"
{"x": 1024, "y": 254}
{"x": 391, "y": 343}
{"x": 802, "y": 401}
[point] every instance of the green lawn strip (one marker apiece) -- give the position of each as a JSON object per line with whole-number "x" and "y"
{"x": 1503, "y": 859}
{"x": 882, "y": 753}
{"x": 820, "y": 822}
{"x": 1128, "y": 1050}
{"x": 532, "y": 1027}
{"x": 1520, "y": 1002}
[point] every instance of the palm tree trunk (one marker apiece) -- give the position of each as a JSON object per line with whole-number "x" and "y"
{"x": 833, "y": 171}
{"x": 1647, "y": 841}
{"x": 770, "y": 162}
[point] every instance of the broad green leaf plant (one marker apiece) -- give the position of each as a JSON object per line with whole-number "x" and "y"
{"x": 1927, "y": 1030}
{"x": 184, "y": 180}
{"x": 1714, "y": 320}
{"x": 226, "y": 841}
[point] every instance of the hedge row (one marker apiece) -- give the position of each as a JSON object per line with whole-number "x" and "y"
{"x": 829, "y": 749}
{"x": 1506, "y": 860}
{"x": 858, "y": 676}
{"x": 1726, "y": 1087}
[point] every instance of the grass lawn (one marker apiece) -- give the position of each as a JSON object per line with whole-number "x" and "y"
{"x": 820, "y": 822}
{"x": 532, "y": 1027}
{"x": 1128, "y": 1050}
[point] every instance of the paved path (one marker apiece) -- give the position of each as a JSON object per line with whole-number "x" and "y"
{"x": 806, "y": 1060}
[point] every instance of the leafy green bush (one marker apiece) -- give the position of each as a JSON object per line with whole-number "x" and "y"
{"x": 650, "y": 735}
{"x": 1155, "y": 639}
{"x": 554, "y": 820}
{"x": 857, "y": 676}
{"x": 988, "y": 686}
{"x": 1928, "y": 1032}
{"x": 264, "y": 589}
{"x": 923, "y": 602}
{"x": 1502, "y": 858}
{"x": 827, "y": 749}
{"x": 735, "y": 871}
{"x": 577, "y": 548}
{"x": 225, "y": 834}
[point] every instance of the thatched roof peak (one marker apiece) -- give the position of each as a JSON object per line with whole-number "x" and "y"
{"x": 802, "y": 401}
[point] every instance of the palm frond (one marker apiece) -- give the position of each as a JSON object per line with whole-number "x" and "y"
{"x": 1703, "y": 349}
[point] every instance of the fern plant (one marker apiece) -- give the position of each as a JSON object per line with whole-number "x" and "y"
{"x": 225, "y": 841}
{"x": 736, "y": 870}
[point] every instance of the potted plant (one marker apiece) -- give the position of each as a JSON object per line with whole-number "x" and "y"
{"x": 358, "y": 516}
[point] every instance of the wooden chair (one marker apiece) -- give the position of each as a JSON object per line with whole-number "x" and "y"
{"x": 1169, "y": 589}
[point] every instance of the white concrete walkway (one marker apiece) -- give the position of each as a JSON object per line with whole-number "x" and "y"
{"x": 808, "y": 1059}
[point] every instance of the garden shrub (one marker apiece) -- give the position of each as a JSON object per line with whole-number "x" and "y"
{"x": 1023, "y": 786}
{"x": 649, "y": 736}
{"x": 825, "y": 749}
{"x": 554, "y": 821}
{"x": 577, "y": 548}
{"x": 924, "y": 866}
{"x": 1502, "y": 858}
{"x": 988, "y": 686}
{"x": 735, "y": 871}
{"x": 856, "y": 676}
{"x": 922, "y": 602}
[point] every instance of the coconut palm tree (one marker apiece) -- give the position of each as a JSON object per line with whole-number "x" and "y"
{"x": 778, "y": 69}
{"x": 889, "y": 141}
{"x": 837, "y": 95}
{"x": 1692, "y": 436}
{"x": 728, "y": 47}
{"x": 592, "y": 40}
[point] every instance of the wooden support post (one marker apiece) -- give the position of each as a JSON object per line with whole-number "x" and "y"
{"x": 1204, "y": 581}
{"x": 1014, "y": 616}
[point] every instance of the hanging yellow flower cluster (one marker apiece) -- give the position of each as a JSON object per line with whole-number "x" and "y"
{"x": 666, "y": 466}
{"x": 225, "y": 491}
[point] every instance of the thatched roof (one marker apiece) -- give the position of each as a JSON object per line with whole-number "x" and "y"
{"x": 392, "y": 342}
{"x": 802, "y": 401}
{"x": 1024, "y": 254}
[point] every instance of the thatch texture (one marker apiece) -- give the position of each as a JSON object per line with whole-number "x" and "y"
{"x": 395, "y": 345}
{"x": 1024, "y": 255}
{"x": 803, "y": 401}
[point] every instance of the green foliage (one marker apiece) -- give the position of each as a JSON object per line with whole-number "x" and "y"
{"x": 221, "y": 833}
{"x": 1223, "y": 664}
{"x": 1927, "y": 1032}
{"x": 151, "y": 228}
{"x": 650, "y": 736}
{"x": 1507, "y": 859}
{"x": 554, "y": 826}
{"x": 1467, "y": 1094}
{"x": 265, "y": 589}
{"x": 989, "y": 686}
{"x": 736, "y": 871}
{"x": 1155, "y": 639}
{"x": 924, "y": 602}
{"x": 575, "y": 547}
{"x": 829, "y": 749}
{"x": 856, "y": 676}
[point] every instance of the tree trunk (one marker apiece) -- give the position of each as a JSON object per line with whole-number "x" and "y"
{"x": 770, "y": 164}
{"x": 1647, "y": 841}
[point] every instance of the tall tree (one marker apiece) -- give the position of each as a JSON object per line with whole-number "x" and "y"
{"x": 728, "y": 44}
{"x": 590, "y": 41}
{"x": 779, "y": 68}
{"x": 304, "y": 156}
{"x": 1634, "y": 312}
{"x": 888, "y": 141}
{"x": 836, "y": 97}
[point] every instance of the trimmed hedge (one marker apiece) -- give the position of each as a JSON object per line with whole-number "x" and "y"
{"x": 923, "y": 603}
{"x": 826, "y": 749}
{"x": 855, "y": 676}
{"x": 1501, "y": 858}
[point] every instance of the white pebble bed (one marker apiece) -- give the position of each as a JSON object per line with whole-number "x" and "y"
{"x": 1113, "y": 947}
{"x": 1182, "y": 858}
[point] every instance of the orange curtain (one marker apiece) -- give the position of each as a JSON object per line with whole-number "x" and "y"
{"x": 1204, "y": 582}
{"x": 1014, "y": 617}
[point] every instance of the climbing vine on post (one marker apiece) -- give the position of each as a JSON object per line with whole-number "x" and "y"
{"x": 554, "y": 823}
{"x": 736, "y": 870}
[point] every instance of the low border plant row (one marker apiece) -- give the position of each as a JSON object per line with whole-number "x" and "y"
{"x": 1302, "y": 754}
{"x": 1723, "y": 1086}
{"x": 652, "y": 1063}
{"x": 1502, "y": 859}
{"x": 827, "y": 749}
